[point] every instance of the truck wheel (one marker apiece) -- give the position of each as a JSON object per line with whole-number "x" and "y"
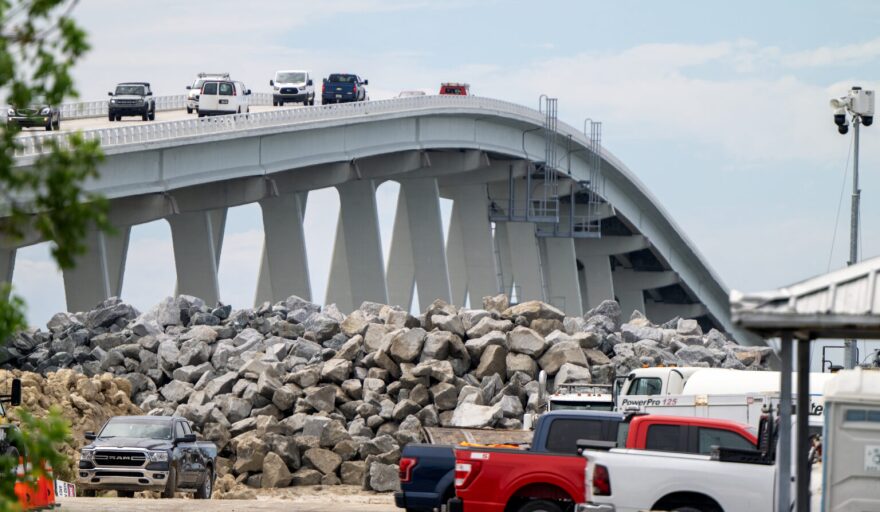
{"x": 125, "y": 494}
{"x": 146, "y": 115}
{"x": 111, "y": 117}
{"x": 153, "y": 114}
{"x": 204, "y": 491}
{"x": 189, "y": 110}
{"x": 540, "y": 506}
{"x": 170, "y": 484}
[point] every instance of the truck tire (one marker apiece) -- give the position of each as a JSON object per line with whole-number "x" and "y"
{"x": 687, "y": 509}
{"x": 540, "y": 506}
{"x": 146, "y": 114}
{"x": 207, "y": 488}
{"x": 170, "y": 484}
{"x": 189, "y": 110}
{"x": 125, "y": 494}
{"x": 111, "y": 117}
{"x": 153, "y": 114}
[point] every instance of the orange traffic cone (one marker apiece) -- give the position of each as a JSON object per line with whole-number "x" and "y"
{"x": 23, "y": 490}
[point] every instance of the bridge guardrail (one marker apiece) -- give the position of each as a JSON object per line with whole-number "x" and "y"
{"x": 86, "y": 109}
{"x": 151, "y": 132}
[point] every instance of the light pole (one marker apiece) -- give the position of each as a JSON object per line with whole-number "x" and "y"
{"x": 859, "y": 104}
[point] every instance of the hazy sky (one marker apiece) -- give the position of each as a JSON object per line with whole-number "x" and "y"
{"x": 720, "y": 108}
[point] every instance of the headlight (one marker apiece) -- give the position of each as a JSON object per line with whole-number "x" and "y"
{"x": 159, "y": 456}
{"x": 112, "y": 100}
{"x": 277, "y": 88}
{"x": 45, "y": 111}
{"x": 88, "y": 455}
{"x": 10, "y": 112}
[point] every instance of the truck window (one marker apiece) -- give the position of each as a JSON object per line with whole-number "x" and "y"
{"x": 226, "y": 88}
{"x": 710, "y": 437}
{"x": 178, "y": 430}
{"x": 186, "y": 429}
{"x": 645, "y": 386}
{"x": 210, "y": 88}
{"x": 564, "y": 434}
{"x": 344, "y": 79}
{"x": 664, "y": 438}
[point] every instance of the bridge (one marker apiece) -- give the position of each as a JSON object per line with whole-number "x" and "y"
{"x": 521, "y": 184}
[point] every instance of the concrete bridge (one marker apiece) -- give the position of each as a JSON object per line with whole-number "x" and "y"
{"x": 468, "y": 149}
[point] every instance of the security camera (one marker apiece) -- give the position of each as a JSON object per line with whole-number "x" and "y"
{"x": 840, "y": 103}
{"x": 839, "y": 116}
{"x": 842, "y": 129}
{"x": 867, "y": 120}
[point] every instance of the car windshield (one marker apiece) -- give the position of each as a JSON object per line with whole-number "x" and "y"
{"x": 141, "y": 429}
{"x": 197, "y": 84}
{"x": 286, "y": 77}
{"x": 343, "y": 79}
{"x": 137, "y": 90}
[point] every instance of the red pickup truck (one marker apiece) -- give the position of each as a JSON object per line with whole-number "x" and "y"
{"x": 502, "y": 480}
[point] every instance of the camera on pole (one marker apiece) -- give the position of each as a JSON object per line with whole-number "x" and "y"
{"x": 857, "y": 103}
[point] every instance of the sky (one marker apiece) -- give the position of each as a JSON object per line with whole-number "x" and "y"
{"x": 721, "y": 109}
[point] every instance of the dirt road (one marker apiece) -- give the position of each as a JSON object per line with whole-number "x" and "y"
{"x": 331, "y": 504}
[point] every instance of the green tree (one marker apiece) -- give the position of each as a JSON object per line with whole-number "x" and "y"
{"x": 39, "y": 45}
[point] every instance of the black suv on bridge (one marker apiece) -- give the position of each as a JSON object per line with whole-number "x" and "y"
{"x": 132, "y": 99}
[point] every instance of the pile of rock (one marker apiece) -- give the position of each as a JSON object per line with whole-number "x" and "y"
{"x": 87, "y": 402}
{"x": 293, "y": 393}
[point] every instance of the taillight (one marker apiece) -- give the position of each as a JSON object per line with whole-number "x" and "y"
{"x": 323, "y": 88}
{"x": 465, "y": 473}
{"x": 601, "y": 481}
{"x": 405, "y": 468}
{"x": 354, "y": 90}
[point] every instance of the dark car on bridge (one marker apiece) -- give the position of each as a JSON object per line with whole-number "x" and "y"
{"x": 344, "y": 88}
{"x": 132, "y": 99}
{"x": 147, "y": 453}
{"x": 38, "y": 115}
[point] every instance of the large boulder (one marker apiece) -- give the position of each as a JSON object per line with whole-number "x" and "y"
{"x": 407, "y": 345}
{"x": 469, "y": 415}
{"x": 561, "y": 353}
{"x": 492, "y": 362}
{"x": 526, "y": 341}
{"x": 533, "y": 310}
{"x": 275, "y": 472}
{"x": 323, "y": 460}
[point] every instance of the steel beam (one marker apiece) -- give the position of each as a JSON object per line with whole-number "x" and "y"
{"x": 630, "y": 286}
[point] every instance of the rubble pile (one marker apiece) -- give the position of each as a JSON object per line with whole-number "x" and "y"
{"x": 295, "y": 394}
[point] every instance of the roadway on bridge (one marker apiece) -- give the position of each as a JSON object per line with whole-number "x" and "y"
{"x": 97, "y": 123}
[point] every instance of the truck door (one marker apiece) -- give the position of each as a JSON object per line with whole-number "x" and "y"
{"x": 184, "y": 453}
{"x": 196, "y": 458}
{"x": 666, "y": 438}
{"x": 208, "y": 97}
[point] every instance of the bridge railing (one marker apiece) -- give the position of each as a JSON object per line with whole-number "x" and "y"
{"x": 158, "y": 131}
{"x": 86, "y": 109}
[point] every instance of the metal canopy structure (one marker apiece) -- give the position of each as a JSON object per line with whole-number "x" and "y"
{"x": 841, "y": 304}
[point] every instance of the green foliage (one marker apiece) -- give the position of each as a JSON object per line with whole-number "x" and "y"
{"x": 39, "y": 438}
{"x": 39, "y": 44}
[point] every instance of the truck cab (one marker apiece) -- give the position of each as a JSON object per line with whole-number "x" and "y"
{"x": 455, "y": 89}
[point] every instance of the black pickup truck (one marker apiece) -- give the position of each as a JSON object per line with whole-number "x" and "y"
{"x": 147, "y": 453}
{"x": 343, "y": 88}
{"x": 427, "y": 472}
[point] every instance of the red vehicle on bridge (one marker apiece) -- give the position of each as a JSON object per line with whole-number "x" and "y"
{"x": 455, "y": 89}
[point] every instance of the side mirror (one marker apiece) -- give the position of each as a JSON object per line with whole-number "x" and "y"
{"x": 15, "y": 395}
{"x": 90, "y": 436}
{"x": 109, "y": 93}
{"x": 271, "y": 82}
{"x": 248, "y": 92}
{"x": 188, "y": 87}
{"x": 366, "y": 82}
{"x": 325, "y": 80}
{"x": 310, "y": 82}
{"x": 187, "y": 438}
{"x": 150, "y": 93}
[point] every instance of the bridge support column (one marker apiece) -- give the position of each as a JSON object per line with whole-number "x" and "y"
{"x": 630, "y": 286}
{"x": 417, "y": 248}
{"x": 595, "y": 254}
{"x": 561, "y": 275}
{"x": 470, "y": 252}
{"x": 284, "y": 269}
{"x": 7, "y": 267}
{"x": 98, "y": 273}
{"x": 525, "y": 260}
{"x": 198, "y": 239}
{"x": 503, "y": 258}
{"x": 357, "y": 272}
{"x": 659, "y": 312}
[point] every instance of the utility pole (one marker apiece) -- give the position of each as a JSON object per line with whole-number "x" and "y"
{"x": 859, "y": 104}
